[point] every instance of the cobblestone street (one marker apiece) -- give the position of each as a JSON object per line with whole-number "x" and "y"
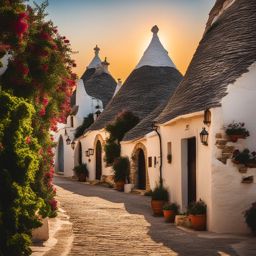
{"x": 107, "y": 222}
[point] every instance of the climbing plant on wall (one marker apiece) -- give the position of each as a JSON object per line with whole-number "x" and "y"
{"x": 35, "y": 96}
{"x": 124, "y": 122}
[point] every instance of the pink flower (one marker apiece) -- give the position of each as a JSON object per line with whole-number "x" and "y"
{"x": 21, "y": 25}
{"x": 45, "y": 101}
{"x": 66, "y": 41}
{"x": 28, "y": 140}
{"x": 45, "y": 67}
{"x": 42, "y": 112}
{"x": 45, "y": 36}
{"x": 53, "y": 204}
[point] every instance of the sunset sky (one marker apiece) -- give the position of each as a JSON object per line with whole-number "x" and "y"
{"x": 121, "y": 28}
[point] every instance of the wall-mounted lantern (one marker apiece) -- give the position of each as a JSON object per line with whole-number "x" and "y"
{"x": 207, "y": 117}
{"x": 68, "y": 140}
{"x": 204, "y": 136}
{"x": 91, "y": 151}
{"x": 73, "y": 144}
{"x": 87, "y": 153}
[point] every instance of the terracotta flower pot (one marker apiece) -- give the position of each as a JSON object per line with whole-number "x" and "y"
{"x": 169, "y": 215}
{"x": 234, "y": 138}
{"x": 120, "y": 185}
{"x": 198, "y": 222}
{"x": 157, "y": 207}
{"x": 81, "y": 177}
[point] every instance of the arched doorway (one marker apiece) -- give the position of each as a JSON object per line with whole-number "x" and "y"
{"x": 98, "y": 160}
{"x": 141, "y": 170}
{"x": 78, "y": 154}
{"x": 60, "y": 159}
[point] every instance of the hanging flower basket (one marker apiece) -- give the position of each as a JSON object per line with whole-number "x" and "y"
{"x": 236, "y": 131}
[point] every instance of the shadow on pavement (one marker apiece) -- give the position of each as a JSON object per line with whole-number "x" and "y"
{"x": 184, "y": 243}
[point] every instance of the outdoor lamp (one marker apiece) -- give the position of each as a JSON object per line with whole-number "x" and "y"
{"x": 68, "y": 140}
{"x": 204, "y": 137}
{"x": 207, "y": 117}
{"x": 87, "y": 153}
{"x": 91, "y": 151}
{"x": 73, "y": 145}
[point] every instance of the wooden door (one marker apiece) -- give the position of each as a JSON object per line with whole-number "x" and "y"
{"x": 141, "y": 170}
{"x": 191, "y": 170}
{"x": 98, "y": 160}
{"x": 60, "y": 155}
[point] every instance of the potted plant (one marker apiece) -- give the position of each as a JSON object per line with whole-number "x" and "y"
{"x": 250, "y": 217}
{"x": 170, "y": 211}
{"x": 169, "y": 158}
{"x": 197, "y": 215}
{"x": 241, "y": 157}
{"x": 244, "y": 157}
{"x": 252, "y": 160}
{"x": 159, "y": 197}
{"x": 81, "y": 172}
{"x": 121, "y": 167}
{"x": 237, "y": 131}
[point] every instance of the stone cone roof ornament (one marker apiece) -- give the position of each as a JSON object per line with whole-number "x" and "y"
{"x": 96, "y": 61}
{"x": 155, "y": 55}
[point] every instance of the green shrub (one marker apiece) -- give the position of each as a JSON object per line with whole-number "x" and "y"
{"x": 122, "y": 124}
{"x": 250, "y": 217}
{"x": 121, "y": 168}
{"x": 173, "y": 207}
{"x": 197, "y": 208}
{"x": 112, "y": 151}
{"x": 81, "y": 170}
{"x": 86, "y": 123}
{"x": 160, "y": 193}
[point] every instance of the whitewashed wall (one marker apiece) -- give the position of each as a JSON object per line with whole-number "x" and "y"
{"x": 230, "y": 197}
{"x": 89, "y": 141}
{"x": 174, "y": 174}
{"x": 68, "y": 155}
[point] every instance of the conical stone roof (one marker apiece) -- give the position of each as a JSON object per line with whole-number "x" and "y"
{"x": 226, "y": 51}
{"x": 98, "y": 82}
{"x": 155, "y": 55}
{"x": 147, "y": 87}
{"x": 96, "y": 61}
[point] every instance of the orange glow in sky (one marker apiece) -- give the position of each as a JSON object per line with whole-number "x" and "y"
{"x": 122, "y": 29}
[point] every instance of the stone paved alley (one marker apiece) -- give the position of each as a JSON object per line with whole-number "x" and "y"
{"x": 107, "y": 222}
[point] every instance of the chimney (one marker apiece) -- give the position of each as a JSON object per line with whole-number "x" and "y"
{"x": 105, "y": 65}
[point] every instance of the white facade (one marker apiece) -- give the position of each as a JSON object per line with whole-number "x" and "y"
{"x": 218, "y": 184}
{"x": 89, "y": 141}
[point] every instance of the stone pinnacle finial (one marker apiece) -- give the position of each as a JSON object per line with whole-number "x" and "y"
{"x": 155, "y": 30}
{"x": 105, "y": 62}
{"x": 96, "y": 50}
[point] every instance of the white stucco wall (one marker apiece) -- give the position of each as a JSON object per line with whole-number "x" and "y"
{"x": 230, "y": 197}
{"x": 89, "y": 141}
{"x": 174, "y": 174}
{"x": 68, "y": 154}
{"x": 151, "y": 143}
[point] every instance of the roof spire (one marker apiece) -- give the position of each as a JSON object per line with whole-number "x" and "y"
{"x": 105, "y": 65}
{"x": 96, "y": 50}
{"x": 96, "y": 61}
{"x": 155, "y": 55}
{"x": 155, "y": 30}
